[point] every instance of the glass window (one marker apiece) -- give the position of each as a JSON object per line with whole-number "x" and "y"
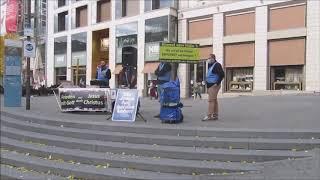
{"x": 79, "y": 76}
{"x": 156, "y": 29}
{"x": 60, "y": 74}
{"x": 60, "y": 45}
{"x": 126, "y": 35}
{"x": 60, "y": 59}
{"x": 127, "y": 29}
{"x": 62, "y": 3}
{"x": 147, "y": 5}
{"x": 60, "y": 51}
{"x": 61, "y": 21}
{"x": 103, "y": 10}
{"x": 79, "y": 48}
{"x": 79, "y": 58}
{"x": 158, "y": 4}
{"x": 79, "y": 42}
{"x": 121, "y": 8}
{"x": 82, "y": 16}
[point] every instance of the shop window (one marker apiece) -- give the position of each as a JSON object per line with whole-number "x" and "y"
{"x": 79, "y": 75}
{"x": 126, "y": 36}
{"x": 79, "y": 58}
{"x": 103, "y": 10}
{"x": 60, "y": 74}
{"x": 81, "y": 16}
{"x": 286, "y": 77}
{"x": 62, "y": 23}
{"x": 60, "y": 59}
{"x": 239, "y": 79}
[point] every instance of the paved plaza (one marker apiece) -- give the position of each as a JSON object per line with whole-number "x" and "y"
{"x": 274, "y": 137}
{"x": 258, "y": 112}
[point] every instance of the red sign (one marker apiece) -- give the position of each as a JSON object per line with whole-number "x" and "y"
{"x": 11, "y": 16}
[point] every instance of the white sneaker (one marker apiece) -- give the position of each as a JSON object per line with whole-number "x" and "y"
{"x": 207, "y": 118}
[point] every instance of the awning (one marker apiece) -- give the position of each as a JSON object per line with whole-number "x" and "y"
{"x": 118, "y": 69}
{"x": 150, "y": 67}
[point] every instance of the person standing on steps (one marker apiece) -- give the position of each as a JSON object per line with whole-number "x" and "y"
{"x": 214, "y": 77}
{"x": 163, "y": 74}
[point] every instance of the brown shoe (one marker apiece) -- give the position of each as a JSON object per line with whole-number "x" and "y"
{"x": 214, "y": 117}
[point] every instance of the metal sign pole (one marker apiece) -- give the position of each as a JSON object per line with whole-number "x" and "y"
{"x": 28, "y": 63}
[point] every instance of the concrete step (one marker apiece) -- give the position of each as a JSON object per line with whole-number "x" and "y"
{"x": 20, "y": 173}
{"x": 82, "y": 171}
{"x": 166, "y": 165}
{"x": 173, "y": 152}
{"x": 213, "y": 142}
{"x": 186, "y": 141}
{"x": 165, "y": 129}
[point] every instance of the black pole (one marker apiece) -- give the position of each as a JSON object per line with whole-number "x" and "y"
{"x": 28, "y": 61}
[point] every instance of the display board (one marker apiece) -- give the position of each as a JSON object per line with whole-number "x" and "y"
{"x": 179, "y": 52}
{"x": 126, "y": 105}
{"x": 83, "y": 99}
{"x": 12, "y": 78}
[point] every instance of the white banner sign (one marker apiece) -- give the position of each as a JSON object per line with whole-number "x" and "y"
{"x": 29, "y": 49}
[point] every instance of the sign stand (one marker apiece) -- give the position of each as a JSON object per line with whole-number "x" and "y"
{"x": 126, "y": 108}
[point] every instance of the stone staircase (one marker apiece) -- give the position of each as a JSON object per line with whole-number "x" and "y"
{"x": 42, "y": 148}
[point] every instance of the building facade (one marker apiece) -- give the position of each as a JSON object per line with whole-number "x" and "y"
{"x": 263, "y": 45}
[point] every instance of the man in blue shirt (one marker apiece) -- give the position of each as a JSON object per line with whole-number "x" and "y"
{"x": 214, "y": 77}
{"x": 103, "y": 74}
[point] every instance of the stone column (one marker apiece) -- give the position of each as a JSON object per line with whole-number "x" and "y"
{"x": 140, "y": 62}
{"x": 261, "y": 69}
{"x": 218, "y": 34}
{"x": 313, "y": 46}
{"x": 89, "y": 45}
{"x": 50, "y": 46}
{"x": 183, "y": 69}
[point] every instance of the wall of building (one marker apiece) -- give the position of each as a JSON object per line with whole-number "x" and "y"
{"x": 258, "y": 33}
{"x": 260, "y": 22}
{"x": 138, "y": 17}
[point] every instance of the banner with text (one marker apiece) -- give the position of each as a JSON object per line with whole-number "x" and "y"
{"x": 126, "y": 105}
{"x": 83, "y": 99}
{"x": 179, "y": 52}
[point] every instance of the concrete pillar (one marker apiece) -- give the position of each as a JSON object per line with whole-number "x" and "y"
{"x": 89, "y": 57}
{"x": 50, "y": 46}
{"x": 313, "y": 46}
{"x": 140, "y": 62}
{"x": 93, "y": 14}
{"x": 261, "y": 70}
{"x": 112, "y": 48}
{"x": 69, "y": 58}
{"x": 183, "y": 69}
{"x": 89, "y": 45}
{"x": 112, "y": 56}
{"x": 218, "y": 33}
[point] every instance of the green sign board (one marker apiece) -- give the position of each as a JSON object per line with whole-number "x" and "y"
{"x": 179, "y": 52}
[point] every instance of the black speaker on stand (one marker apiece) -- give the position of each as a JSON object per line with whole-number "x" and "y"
{"x": 129, "y": 56}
